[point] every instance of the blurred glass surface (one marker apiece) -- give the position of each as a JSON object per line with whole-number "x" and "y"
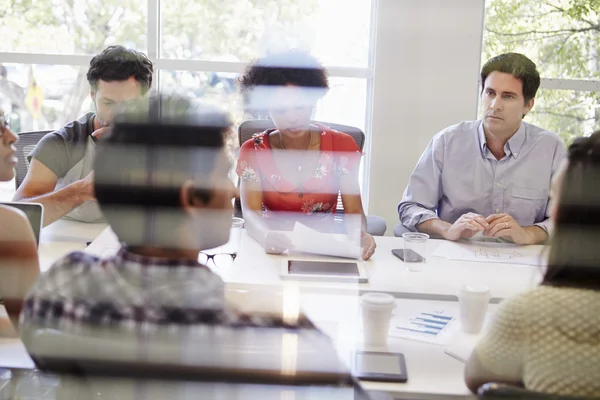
{"x": 240, "y": 30}
{"x": 63, "y": 95}
{"x": 72, "y": 26}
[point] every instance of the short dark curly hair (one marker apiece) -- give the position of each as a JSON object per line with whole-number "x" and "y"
{"x": 519, "y": 66}
{"x": 117, "y": 63}
{"x": 293, "y": 67}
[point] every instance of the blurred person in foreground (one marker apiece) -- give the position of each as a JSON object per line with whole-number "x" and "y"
{"x": 161, "y": 180}
{"x": 19, "y": 266}
{"x": 297, "y": 170}
{"x": 548, "y": 339}
{"x": 60, "y": 174}
{"x": 490, "y": 176}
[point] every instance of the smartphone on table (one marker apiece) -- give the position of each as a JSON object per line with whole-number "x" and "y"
{"x": 407, "y": 255}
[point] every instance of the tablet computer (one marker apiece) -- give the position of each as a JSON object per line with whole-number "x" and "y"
{"x": 34, "y": 213}
{"x": 334, "y": 270}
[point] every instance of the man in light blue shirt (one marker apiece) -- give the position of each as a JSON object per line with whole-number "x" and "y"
{"x": 492, "y": 175}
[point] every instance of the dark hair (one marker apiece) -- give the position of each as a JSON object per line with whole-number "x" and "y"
{"x": 575, "y": 254}
{"x": 519, "y": 66}
{"x": 117, "y": 63}
{"x": 154, "y": 147}
{"x": 294, "y": 67}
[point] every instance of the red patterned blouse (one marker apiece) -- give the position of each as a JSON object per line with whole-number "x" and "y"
{"x": 339, "y": 155}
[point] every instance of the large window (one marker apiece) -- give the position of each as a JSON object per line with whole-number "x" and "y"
{"x": 198, "y": 47}
{"x": 563, "y": 38}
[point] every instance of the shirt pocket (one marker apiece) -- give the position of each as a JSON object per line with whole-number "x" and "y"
{"x": 526, "y": 204}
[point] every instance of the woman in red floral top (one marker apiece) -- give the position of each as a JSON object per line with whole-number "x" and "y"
{"x": 300, "y": 167}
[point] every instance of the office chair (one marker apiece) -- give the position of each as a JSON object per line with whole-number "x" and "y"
{"x": 399, "y": 229}
{"x": 27, "y": 142}
{"x": 376, "y": 226}
{"x": 493, "y": 391}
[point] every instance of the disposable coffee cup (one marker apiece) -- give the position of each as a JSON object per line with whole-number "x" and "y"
{"x": 376, "y": 314}
{"x": 473, "y": 302}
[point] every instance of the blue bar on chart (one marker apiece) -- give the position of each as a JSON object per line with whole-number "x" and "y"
{"x": 427, "y": 324}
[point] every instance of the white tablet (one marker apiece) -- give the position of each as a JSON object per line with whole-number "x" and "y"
{"x": 334, "y": 270}
{"x": 34, "y": 213}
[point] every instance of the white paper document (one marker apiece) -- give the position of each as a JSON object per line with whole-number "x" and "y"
{"x": 105, "y": 245}
{"x": 307, "y": 240}
{"x": 430, "y": 326}
{"x": 492, "y": 252}
{"x": 14, "y": 354}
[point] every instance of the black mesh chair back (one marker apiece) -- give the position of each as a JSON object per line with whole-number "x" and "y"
{"x": 27, "y": 142}
{"x": 250, "y": 127}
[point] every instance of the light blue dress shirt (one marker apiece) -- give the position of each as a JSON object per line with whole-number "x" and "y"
{"x": 458, "y": 174}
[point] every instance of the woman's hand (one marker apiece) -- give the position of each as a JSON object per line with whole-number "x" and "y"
{"x": 368, "y": 245}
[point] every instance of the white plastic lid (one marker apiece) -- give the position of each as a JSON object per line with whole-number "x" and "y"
{"x": 474, "y": 289}
{"x": 378, "y": 300}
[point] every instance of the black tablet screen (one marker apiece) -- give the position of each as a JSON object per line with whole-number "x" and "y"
{"x": 296, "y": 267}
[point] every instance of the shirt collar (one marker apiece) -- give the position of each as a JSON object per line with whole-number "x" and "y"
{"x": 512, "y": 147}
{"x": 127, "y": 256}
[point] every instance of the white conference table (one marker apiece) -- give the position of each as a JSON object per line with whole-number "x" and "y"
{"x": 440, "y": 278}
{"x": 334, "y": 306}
{"x": 431, "y": 373}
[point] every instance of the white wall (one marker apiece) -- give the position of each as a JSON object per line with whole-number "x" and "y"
{"x": 427, "y": 64}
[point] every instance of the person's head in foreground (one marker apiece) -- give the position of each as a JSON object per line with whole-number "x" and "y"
{"x": 161, "y": 177}
{"x": 162, "y": 183}
{"x": 509, "y": 83}
{"x": 117, "y": 75}
{"x": 285, "y": 87}
{"x": 575, "y": 255}
{"x": 548, "y": 339}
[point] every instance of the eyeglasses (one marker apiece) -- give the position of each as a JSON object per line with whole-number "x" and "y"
{"x": 4, "y": 122}
{"x": 217, "y": 259}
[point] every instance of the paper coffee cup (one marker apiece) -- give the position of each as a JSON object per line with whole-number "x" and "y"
{"x": 376, "y": 314}
{"x": 473, "y": 302}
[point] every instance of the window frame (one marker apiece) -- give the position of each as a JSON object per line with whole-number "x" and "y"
{"x": 153, "y": 38}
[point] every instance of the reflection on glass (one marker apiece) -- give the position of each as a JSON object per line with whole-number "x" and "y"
{"x": 239, "y": 30}
{"x": 63, "y": 95}
{"x": 211, "y": 88}
{"x": 72, "y": 27}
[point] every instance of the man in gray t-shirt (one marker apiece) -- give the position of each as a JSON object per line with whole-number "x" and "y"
{"x": 60, "y": 173}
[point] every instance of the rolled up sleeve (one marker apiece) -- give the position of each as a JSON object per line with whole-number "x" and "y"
{"x": 424, "y": 189}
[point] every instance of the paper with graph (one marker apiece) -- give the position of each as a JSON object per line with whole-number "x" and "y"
{"x": 487, "y": 252}
{"x": 437, "y": 326}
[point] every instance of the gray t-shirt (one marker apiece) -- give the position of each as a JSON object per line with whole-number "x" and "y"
{"x": 69, "y": 153}
{"x": 62, "y": 149}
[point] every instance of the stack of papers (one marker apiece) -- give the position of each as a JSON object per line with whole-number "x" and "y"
{"x": 492, "y": 252}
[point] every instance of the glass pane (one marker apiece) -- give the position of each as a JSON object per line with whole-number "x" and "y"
{"x": 559, "y": 36}
{"x": 568, "y": 113}
{"x": 346, "y": 102}
{"x": 241, "y": 30}
{"x": 212, "y": 88}
{"x": 61, "y": 96}
{"x": 72, "y": 27}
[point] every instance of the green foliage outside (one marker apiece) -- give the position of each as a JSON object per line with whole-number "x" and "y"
{"x": 214, "y": 30}
{"x": 563, "y": 38}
